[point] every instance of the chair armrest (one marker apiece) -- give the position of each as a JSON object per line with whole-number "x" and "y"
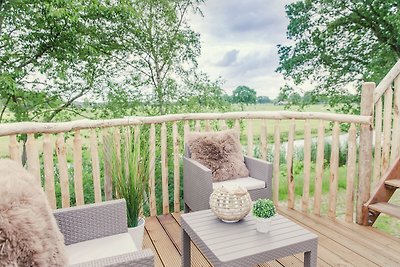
{"x": 197, "y": 184}
{"x": 91, "y": 221}
{"x": 260, "y": 169}
{"x": 143, "y": 257}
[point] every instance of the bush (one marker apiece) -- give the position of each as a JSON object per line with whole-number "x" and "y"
{"x": 264, "y": 208}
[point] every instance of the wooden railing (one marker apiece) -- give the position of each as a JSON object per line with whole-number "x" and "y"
{"x": 386, "y": 104}
{"x": 173, "y": 129}
{"x": 387, "y": 122}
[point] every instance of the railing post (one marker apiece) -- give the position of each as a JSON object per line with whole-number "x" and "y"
{"x": 365, "y": 157}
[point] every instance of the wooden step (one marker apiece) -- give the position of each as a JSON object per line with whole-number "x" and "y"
{"x": 393, "y": 182}
{"x": 387, "y": 208}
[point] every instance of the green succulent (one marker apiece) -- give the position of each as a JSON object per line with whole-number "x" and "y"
{"x": 264, "y": 208}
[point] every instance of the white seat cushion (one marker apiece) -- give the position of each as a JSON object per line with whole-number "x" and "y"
{"x": 100, "y": 248}
{"x": 247, "y": 182}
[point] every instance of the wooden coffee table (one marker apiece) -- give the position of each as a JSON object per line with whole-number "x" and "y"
{"x": 239, "y": 244}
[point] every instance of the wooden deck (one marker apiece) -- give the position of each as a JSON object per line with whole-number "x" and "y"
{"x": 340, "y": 243}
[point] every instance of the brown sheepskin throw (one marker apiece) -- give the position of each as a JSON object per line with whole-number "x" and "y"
{"x": 29, "y": 235}
{"x": 220, "y": 152}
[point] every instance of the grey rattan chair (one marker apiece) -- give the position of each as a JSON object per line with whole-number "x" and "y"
{"x": 96, "y": 221}
{"x": 198, "y": 184}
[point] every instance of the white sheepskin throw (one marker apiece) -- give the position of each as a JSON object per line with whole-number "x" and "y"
{"x": 29, "y": 235}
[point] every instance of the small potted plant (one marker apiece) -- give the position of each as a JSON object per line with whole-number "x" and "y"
{"x": 129, "y": 164}
{"x": 263, "y": 211}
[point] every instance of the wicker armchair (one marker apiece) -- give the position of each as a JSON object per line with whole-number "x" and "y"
{"x": 99, "y": 232}
{"x": 198, "y": 184}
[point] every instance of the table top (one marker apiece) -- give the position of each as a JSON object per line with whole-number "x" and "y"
{"x": 230, "y": 241}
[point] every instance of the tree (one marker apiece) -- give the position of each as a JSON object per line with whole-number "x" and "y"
{"x": 295, "y": 99}
{"x": 50, "y": 57}
{"x": 263, "y": 100}
{"x": 244, "y": 95}
{"x": 337, "y": 43}
{"x": 158, "y": 49}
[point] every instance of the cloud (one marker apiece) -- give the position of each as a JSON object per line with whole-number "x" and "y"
{"x": 239, "y": 42}
{"x": 229, "y": 58}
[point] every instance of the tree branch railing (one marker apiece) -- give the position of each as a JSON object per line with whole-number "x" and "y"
{"x": 165, "y": 138}
{"x": 386, "y": 82}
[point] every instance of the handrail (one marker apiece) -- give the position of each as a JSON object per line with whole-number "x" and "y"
{"x": 386, "y": 81}
{"x": 59, "y": 127}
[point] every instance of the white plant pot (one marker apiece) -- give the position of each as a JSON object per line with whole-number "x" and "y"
{"x": 137, "y": 233}
{"x": 263, "y": 224}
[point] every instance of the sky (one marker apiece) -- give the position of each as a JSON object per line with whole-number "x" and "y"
{"x": 239, "y": 42}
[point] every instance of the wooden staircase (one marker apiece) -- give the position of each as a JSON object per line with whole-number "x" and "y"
{"x": 378, "y": 203}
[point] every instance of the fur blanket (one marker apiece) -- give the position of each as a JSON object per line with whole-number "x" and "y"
{"x": 29, "y": 235}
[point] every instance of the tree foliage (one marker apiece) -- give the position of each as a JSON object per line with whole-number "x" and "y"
{"x": 158, "y": 50}
{"x": 244, "y": 95}
{"x": 263, "y": 100}
{"x": 338, "y": 44}
{"x": 49, "y": 56}
{"x": 120, "y": 57}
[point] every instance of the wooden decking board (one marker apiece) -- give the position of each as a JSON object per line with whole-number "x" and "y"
{"x": 291, "y": 261}
{"x": 148, "y": 244}
{"x": 169, "y": 255}
{"x": 329, "y": 249}
{"x": 173, "y": 230}
{"x": 372, "y": 233}
{"x": 386, "y": 208}
{"x": 361, "y": 239}
{"x": 339, "y": 244}
{"x": 367, "y": 254}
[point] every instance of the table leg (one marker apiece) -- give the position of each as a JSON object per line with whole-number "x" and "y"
{"x": 310, "y": 258}
{"x": 185, "y": 249}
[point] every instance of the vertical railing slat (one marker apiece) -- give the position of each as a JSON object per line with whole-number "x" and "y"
{"x": 276, "y": 171}
{"x": 78, "y": 184}
{"x": 222, "y": 125}
{"x": 263, "y": 140}
{"x": 289, "y": 165}
{"x": 319, "y": 168}
{"x": 351, "y": 172}
{"x": 117, "y": 142}
{"x": 197, "y": 126}
{"x": 249, "y": 137}
{"x": 107, "y": 164}
{"x": 307, "y": 165}
{"x": 177, "y": 204}
{"x": 378, "y": 142}
{"x": 14, "y": 149}
{"x": 164, "y": 168}
{"x": 127, "y": 149}
{"x": 137, "y": 144}
{"x": 334, "y": 171}
{"x": 365, "y": 153}
{"x": 387, "y": 128}
{"x": 61, "y": 150}
{"x": 395, "y": 151}
{"x": 186, "y": 131}
{"x": 152, "y": 176}
{"x": 94, "y": 153}
{"x": 207, "y": 126}
{"x": 136, "y": 138}
{"x": 237, "y": 125}
{"x": 48, "y": 168}
{"x": 32, "y": 154}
